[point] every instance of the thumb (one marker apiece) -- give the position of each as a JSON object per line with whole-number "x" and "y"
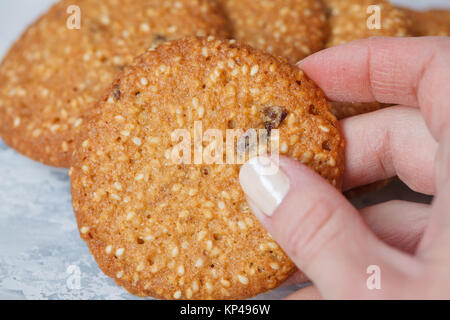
{"x": 316, "y": 226}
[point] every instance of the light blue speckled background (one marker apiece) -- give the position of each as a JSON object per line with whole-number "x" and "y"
{"x": 38, "y": 235}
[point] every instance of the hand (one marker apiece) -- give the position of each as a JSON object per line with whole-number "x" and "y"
{"x": 325, "y": 236}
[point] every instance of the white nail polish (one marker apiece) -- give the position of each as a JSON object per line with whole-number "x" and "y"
{"x": 266, "y": 188}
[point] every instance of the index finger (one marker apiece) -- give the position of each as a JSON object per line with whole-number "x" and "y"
{"x": 408, "y": 71}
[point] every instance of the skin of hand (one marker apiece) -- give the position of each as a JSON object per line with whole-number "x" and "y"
{"x": 324, "y": 235}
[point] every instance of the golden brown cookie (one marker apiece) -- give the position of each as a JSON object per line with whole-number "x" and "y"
{"x": 52, "y": 75}
{"x": 429, "y": 23}
{"x": 293, "y": 29}
{"x": 185, "y": 231}
{"x": 344, "y": 110}
{"x": 348, "y": 20}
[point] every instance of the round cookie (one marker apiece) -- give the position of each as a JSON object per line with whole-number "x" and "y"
{"x": 293, "y": 29}
{"x": 185, "y": 231}
{"x": 429, "y": 23}
{"x": 348, "y": 21}
{"x": 53, "y": 74}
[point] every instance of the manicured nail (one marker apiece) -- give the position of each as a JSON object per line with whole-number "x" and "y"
{"x": 266, "y": 188}
{"x": 298, "y": 64}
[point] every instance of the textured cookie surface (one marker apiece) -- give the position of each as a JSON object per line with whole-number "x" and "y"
{"x": 185, "y": 231}
{"x": 429, "y": 23}
{"x": 348, "y": 20}
{"x": 292, "y": 29}
{"x": 344, "y": 110}
{"x": 53, "y": 74}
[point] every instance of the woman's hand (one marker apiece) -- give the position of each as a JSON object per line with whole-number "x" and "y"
{"x": 325, "y": 236}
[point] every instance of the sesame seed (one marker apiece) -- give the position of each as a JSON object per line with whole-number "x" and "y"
{"x": 115, "y": 197}
{"x": 120, "y": 251}
{"x": 324, "y": 129}
{"x": 254, "y": 70}
{"x": 54, "y": 128}
{"x": 195, "y": 102}
{"x": 137, "y": 141}
{"x": 195, "y": 286}
{"x": 174, "y": 252}
{"x": 242, "y": 279}
{"x": 84, "y": 230}
{"x": 65, "y": 146}
{"x": 36, "y": 133}
{"x": 118, "y": 186}
{"x": 140, "y": 267}
{"x": 139, "y": 177}
{"x": 183, "y": 214}
{"x": 145, "y": 27}
{"x": 144, "y": 81}
{"x": 332, "y": 162}
{"x": 201, "y": 235}
{"x": 130, "y": 215}
{"x": 172, "y": 29}
{"x": 78, "y": 122}
{"x": 16, "y": 122}
{"x": 177, "y": 295}
{"x": 119, "y": 274}
{"x": 242, "y": 225}
{"x": 225, "y": 283}
{"x": 201, "y": 112}
{"x": 199, "y": 263}
{"x": 180, "y": 270}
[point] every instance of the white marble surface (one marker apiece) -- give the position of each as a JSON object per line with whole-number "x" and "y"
{"x": 39, "y": 241}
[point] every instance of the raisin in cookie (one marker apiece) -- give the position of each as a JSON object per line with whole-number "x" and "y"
{"x": 184, "y": 230}
{"x": 55, "y": 72}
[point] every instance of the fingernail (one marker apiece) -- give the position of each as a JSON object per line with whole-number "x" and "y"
{"x": 298, "y": 64}
{"x": 266, "y": 189}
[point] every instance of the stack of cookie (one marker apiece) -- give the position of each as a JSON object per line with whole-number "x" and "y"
{"x": 107, "y": 98}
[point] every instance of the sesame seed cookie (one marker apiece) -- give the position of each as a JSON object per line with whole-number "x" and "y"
{"x": 344, "y": 110}
{"x": 185, "y": 231}
{"x": 429, "y": 23}
{"x": 348, "y": 20}
{"x": 293, "y": 29}
{"x": 53, "y": 74}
